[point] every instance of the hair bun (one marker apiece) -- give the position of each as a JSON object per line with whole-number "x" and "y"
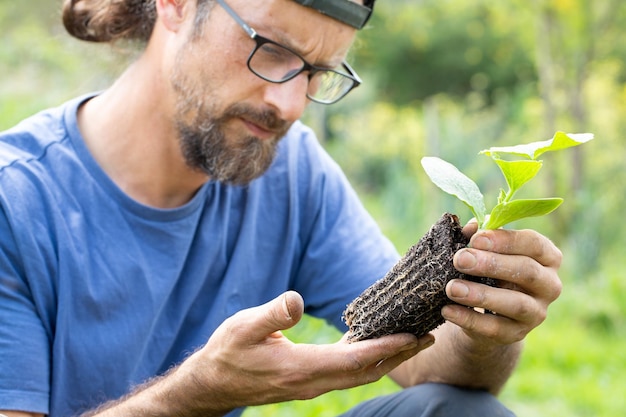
{"x": 109, "y": 20}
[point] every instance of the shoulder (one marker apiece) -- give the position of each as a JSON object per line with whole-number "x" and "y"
{"x": 30, "y": 140}
{"x": 36, "y": 158}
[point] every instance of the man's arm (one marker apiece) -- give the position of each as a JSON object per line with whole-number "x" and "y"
{"x": 459, "y": 362}
{"x": 479, "y": 350}
{"x": 248, "y": 361}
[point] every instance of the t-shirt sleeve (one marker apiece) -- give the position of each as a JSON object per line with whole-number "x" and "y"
{"x": 24, "y": 345}
{"x": 344, "y": 249}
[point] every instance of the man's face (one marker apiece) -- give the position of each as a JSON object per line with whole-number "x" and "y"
{"x": 230, "y": 121}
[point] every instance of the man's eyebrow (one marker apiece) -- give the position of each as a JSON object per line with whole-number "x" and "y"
{"x": 284, "y": 40}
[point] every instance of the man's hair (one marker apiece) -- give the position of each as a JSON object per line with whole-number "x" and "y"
{"x": 114, "y": 20}
{"x": 109, "y": 20}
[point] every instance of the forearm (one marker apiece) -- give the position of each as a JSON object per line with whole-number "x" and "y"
{"x": 171, "y": 395}
{"x": 458, "y": 360}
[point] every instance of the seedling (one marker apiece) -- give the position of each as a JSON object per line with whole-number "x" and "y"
{"x": 516, "y": 172}
{"x": 409, "y": 298}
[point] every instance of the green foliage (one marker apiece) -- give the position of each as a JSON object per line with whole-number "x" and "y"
{"x": 516, "y": 173}
{"x": 447, "y": 177}
{"x": 534, "y": 150}
{"x": 446, "y": 78}
{"x": 450, "y": 47}
{"x": 41, "y": 68}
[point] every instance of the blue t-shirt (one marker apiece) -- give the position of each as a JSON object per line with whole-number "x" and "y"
{"x": 99, "y": 293}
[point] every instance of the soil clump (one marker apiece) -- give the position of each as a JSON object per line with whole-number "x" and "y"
{"x": 410, "y": 297}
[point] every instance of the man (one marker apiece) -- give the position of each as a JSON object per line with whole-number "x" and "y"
{"x": 157, "y": 237}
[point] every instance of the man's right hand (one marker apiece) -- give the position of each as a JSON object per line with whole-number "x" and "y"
{"x": 248, "y": 361}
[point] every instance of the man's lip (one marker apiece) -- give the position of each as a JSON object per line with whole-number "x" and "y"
{"x": 258, "y": 130}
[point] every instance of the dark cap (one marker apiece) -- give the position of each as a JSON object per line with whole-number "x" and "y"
{"x": 345, "y": 11}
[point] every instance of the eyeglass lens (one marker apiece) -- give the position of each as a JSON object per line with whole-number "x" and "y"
{"x": 276, "y": 63}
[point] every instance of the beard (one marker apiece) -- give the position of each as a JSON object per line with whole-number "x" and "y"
{"x": 206, "y": 143}
{"x": 232, "y": 159}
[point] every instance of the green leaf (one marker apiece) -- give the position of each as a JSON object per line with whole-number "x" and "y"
{"x": 519, "y": 209}
{"x": 447, "y": 177}
{"x": 518, "y": 173}
{"x": 535, "y": 149}
{"x": 501, "y": 196}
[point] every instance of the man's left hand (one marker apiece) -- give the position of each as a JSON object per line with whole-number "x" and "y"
{"x": 526, "y": 265}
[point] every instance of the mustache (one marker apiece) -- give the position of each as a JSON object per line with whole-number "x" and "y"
{"x": 267, "y": 118}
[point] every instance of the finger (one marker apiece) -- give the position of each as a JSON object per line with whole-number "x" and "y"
{"x": 524, "y": 272}
{"x": 496, "y": 328}
{"x": 514, "y": 305}
{"x": 386, "y": 365}
{"x": 367, "y": 361}
{"x": 470, "y": 228}
{"x": 257, "y": 323}
{"x": 518, "y": 242}
{"x": 493, "y": 265}
{"x": 357, "y": 356}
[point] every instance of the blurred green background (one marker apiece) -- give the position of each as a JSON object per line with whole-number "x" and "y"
{"x": 446, "y": 78}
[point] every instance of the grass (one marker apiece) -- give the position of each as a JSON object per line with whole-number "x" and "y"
{"x": 574, "y": 363}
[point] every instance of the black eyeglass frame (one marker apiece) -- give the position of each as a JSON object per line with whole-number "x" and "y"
{"x": 312, "y": 69}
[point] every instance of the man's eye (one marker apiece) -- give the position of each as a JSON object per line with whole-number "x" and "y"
{"x": 276, "y": 53}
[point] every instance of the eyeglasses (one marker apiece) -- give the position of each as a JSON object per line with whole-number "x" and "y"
{"x": 278, "y": 64}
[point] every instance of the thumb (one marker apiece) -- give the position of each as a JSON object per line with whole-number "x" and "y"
{"x": 281, "y": 313}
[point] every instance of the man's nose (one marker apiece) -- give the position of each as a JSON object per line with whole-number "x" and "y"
{"x": 288, "y": 98}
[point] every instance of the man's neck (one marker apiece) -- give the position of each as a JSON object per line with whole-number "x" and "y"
{"x": 130, "y": 133}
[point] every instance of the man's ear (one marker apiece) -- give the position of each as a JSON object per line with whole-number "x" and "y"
{"x": 173, "y": 13}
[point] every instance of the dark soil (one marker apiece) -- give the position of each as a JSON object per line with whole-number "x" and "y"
{"x": 410, "y": 297}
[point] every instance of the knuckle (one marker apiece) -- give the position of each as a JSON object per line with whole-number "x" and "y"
{"x": 493, "y": 262}
{"x": 518, "y": 336}
{"x": 540, "y": 316}
{"x": 492, "y": 330}
{"x": 234, "y": 329}
{"x": 557, "y": 289}
{"x": 468, "y": 320}
{"x": 558, "y": 255}
{"x": 529, "y": 311}
{"x": 481, "y": 296}
{"x": 543, "y": 249}
{"x": 531, "y": 276}
{"x": 539, "y": 247}
{"x": 230, "y": 327}
{"x": 522, "y": 311}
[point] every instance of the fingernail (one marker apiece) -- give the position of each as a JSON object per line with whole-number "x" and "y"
{"x": 466, "y": 260}
{"x": 286, "y": 308}
{"x": 428, "y": 343}
{"x": 458, "y": 289}
{"x": 482, "y": 242}
{"x": 410, "y": 346}
{"x": 448, "y": 313}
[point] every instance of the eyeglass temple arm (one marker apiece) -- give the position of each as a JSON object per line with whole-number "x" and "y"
{"x": 251, "y": 32}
